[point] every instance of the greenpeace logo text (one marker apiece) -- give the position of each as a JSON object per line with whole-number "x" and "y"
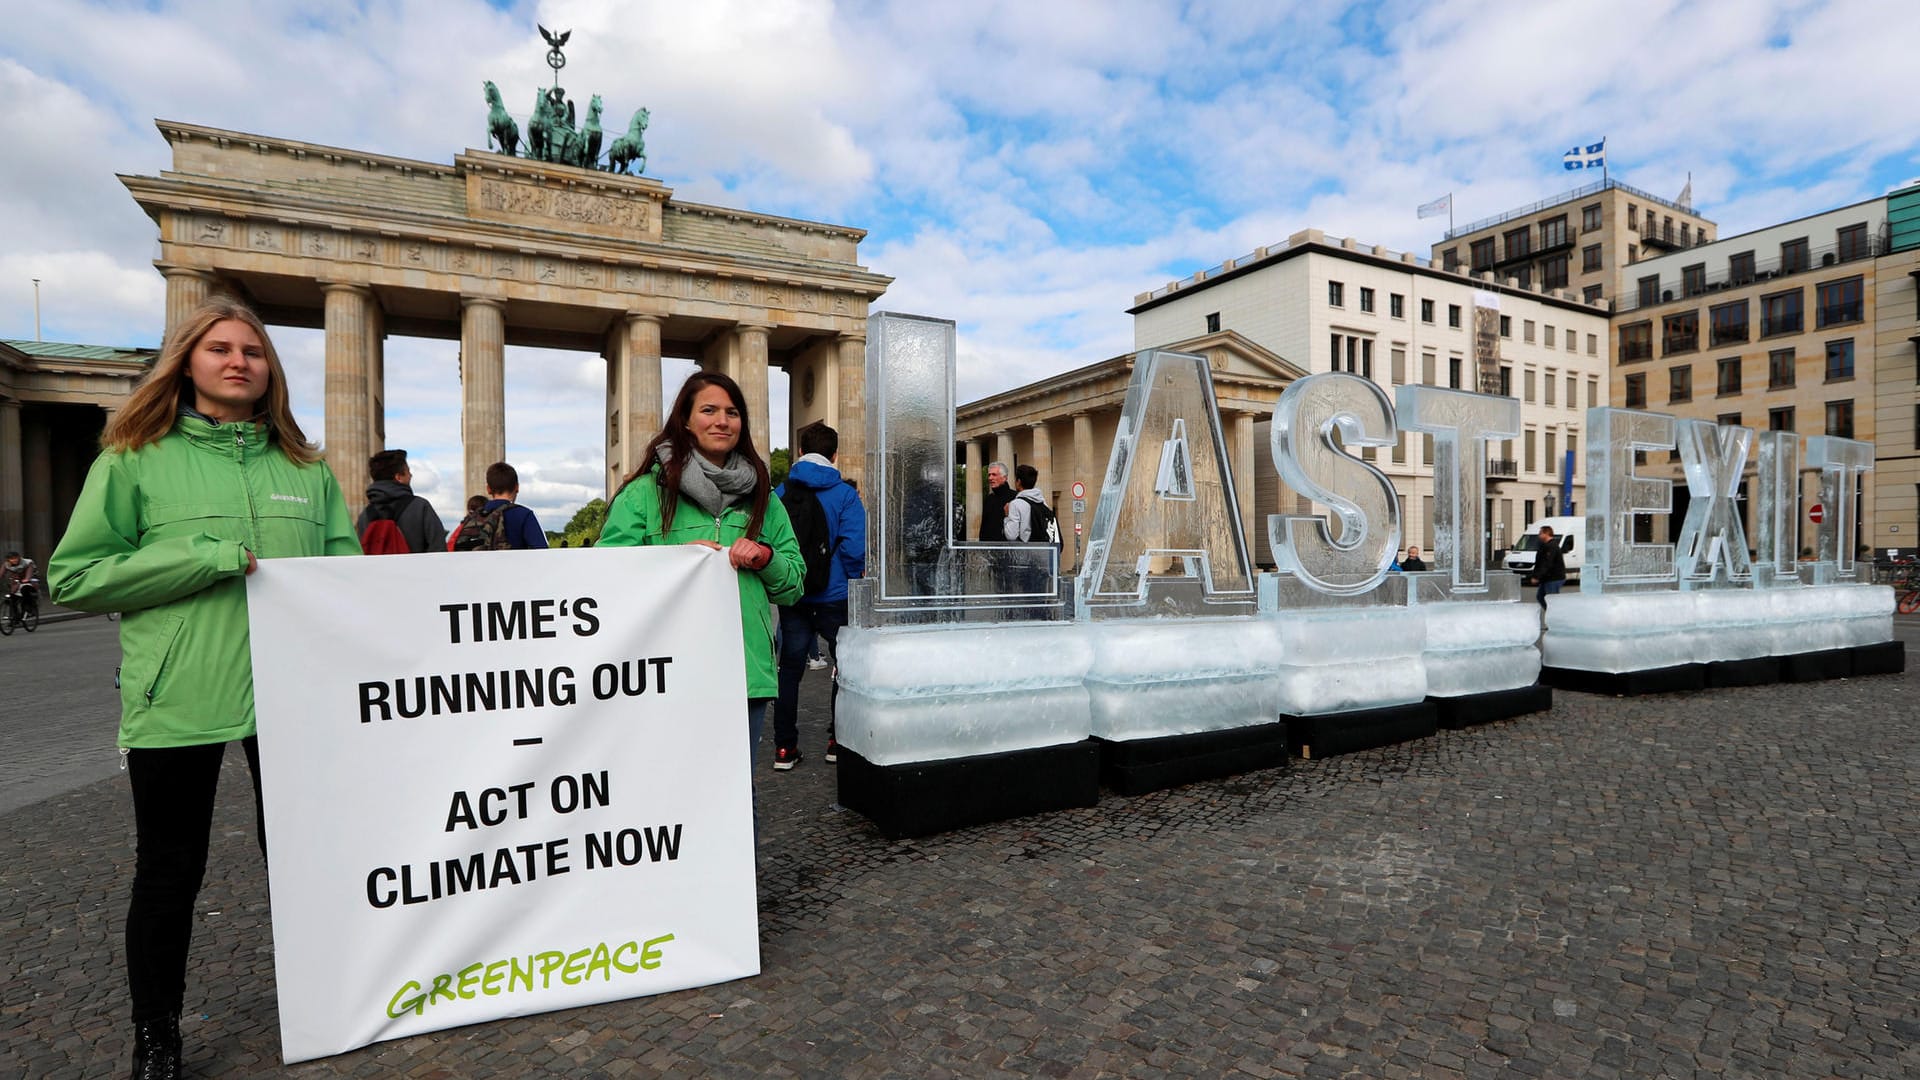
{"x": 277, "y": 497}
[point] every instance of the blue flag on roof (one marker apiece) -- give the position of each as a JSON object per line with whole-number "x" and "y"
{"x": 1590, "y": 156}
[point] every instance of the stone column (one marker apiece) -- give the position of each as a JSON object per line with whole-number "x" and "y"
{"x": 376, "y": 377}
{"x": 633, "y": 393}
{"x": 349, "y": 430}
{"x": 187, "y": 289}
{"x": 1243, "y": 473}
{"x": 850, "y": 417}
{"x": 13, "y": 505}
{"x": 483, "y": 388}
{"x": 976, "y": 488}
{"x": 36, "y": 452}
{"x": 1043, "y": 461}
{"x": 1085, "y": 468}
{"x": 751, "y": 360}
{"x": 1003, "y": 452}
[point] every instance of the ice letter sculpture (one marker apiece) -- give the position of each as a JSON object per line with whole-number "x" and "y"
{"x": 1460, "y": 423}
{"x": 1615, "y": 493}
{"x": 1712, "y": 537}
{"x": 1840, "y": 461}
{"x": 1360, "y": 496}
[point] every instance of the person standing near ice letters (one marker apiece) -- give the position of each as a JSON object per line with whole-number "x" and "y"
{"x": 701, "y": 482}
{"x": 831, "y": 529}
{"x": 1413, "y": 563}
{"x": 390, "y": 497}
{"x": 203, "y": 474}
{"x": 1549, "y": 566}
{"x": 1028, "y": 514}
{"x": 993, "y": 509}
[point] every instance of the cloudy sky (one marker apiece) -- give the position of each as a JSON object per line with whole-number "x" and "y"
{"x": 1023, "y": 168}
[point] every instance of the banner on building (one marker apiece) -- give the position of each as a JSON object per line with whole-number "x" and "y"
{"x": 499, "y": 784}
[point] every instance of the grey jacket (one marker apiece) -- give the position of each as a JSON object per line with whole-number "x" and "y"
{"x": 416, "y": 518}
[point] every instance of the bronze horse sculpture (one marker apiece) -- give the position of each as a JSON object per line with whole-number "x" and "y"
{"x": 501, "y": 129}
{"x": 631, "y": 147}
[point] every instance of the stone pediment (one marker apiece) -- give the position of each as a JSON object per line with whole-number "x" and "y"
{"x": 1230, "y": 355}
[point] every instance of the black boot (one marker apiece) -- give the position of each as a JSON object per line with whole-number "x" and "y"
{"x": 156, "y": 1049}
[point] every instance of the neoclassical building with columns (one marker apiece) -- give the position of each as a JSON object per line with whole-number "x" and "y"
{"x": 489, "y": 251}
{"x": 1064, "y": 426}
{"x": 55, "y": 400}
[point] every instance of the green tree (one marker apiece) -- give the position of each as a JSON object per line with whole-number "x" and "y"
{"x": 584, "y": 526}
{"x": 778, "y": 463}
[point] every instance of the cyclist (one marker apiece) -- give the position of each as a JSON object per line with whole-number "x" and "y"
{"x": 17, "y": 579}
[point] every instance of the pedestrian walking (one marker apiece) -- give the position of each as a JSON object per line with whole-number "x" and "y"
{"x": 204, "y": 473}
{"x": 830, "y": 526}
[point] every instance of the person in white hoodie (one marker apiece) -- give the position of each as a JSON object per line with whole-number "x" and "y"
{"x": 1021, "y": 519}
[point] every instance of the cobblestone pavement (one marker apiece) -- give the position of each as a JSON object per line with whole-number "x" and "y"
{"x": 1717, "y": 884}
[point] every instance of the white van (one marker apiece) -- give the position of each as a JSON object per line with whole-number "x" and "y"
{"x": 1571, "y": 532}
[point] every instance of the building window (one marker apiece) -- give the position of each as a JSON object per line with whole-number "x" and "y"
{"x": 1636, "y": 342}
{"x": 1553, "y": 272}
{"x": 1727, "y": 323}
{"x": 1426, "y": 311}
{"x": 1650, "y": 290}
{"x": 1740, "y": 267}
{"x": 1526, "y": 381}
{"x": 1728, "y": 419}
{"x": 1506, "y": 380}
{"x": 1637, "y": 391}
{"x": 1727, "y": 383}
{"x": 1396, "y": 306}
{"x": 1553, "y": 459}
{"x": 1506, "y": 326}
{"x": 1336, "y": 294}
{"x": 1590, "y": 217}
{"x": 1680, "y": 384}
{"x": 1680, "y": 333}
{"x": 1780, "y": 369}
{"x": 1547, "y": 335}
{"x": 1633, "y": 254}
{"x": 1780, "y": 419}
{"x": 1573, "y": 392}
{"x": 1590, "y": 258}
{"x": 1453, "y": 316}
{"x": 1450, "y": 259}
{"x": 1840, "y": 418}
{"x": 1793, "y": 256}
{"x": 1840, "y": 359}
{"x": 1529, "y": 462}
{"x": 1633, "y": 216}
{"x": 1518, "y": 243}
{"x": 1366, "y": 357}
{"x": 1592, "y": 293}
{"x": 1693, "y": 279}
{"x": 1453, "y": 373}
{"x": 1523, "y": 277}
{"x": 1526, "y": 333}
{"x": 1780, "y": 314}
{"x": 1838, "y": 302}
{"x": 1426, "y": 369}
{"x": 1480, "y": 254}
{"x": 1853, "y": 243}
{"x": 1916, "y": 427}
{"x": 1553, "y": 232}
{"x": 1593, "y": 392}
{"x": 1593, "y": 344}
{"x": 1366, "y": 298}
{"x": 1686, "y": 235}
{"x": 1399, "y": 366}
{"x": 1547, "y": 382}
{"x": 1213, "y": 323}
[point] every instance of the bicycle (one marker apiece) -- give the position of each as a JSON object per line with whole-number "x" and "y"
{"x": 22, "y": 610}
{"x": 1905, "y": 579}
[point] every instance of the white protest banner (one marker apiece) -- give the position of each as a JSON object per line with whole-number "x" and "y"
{"x": 499, "y": 784}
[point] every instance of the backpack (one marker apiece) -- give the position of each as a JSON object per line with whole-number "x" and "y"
{"x": 382, "y": 536}
{"x": 814, "y": 534}
{"x": 1043, "y": 525}
{"x": 483, "y": 530}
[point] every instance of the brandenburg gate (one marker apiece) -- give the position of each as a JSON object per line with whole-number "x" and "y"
{"x": 493, "y": 250}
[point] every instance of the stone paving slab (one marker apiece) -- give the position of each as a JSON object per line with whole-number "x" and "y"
{"x": 1711, "y": 884}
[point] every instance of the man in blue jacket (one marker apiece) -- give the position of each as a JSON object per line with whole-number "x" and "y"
{"x": 503, "y": 489}
{"x": 831, "y": 526}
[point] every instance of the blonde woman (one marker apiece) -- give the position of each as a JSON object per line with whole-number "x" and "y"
{"x": 201, "y": 475}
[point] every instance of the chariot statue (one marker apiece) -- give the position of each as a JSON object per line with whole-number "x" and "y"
{"x": 554, "y": 132}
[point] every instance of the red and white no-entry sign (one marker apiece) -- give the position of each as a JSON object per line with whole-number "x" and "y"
{"x": 1079, "y": 490}
{"x": 1815, "y": 513}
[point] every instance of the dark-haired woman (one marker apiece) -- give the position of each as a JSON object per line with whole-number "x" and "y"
{"x": 701, "y": 482}
{"x": 203, "y": 473}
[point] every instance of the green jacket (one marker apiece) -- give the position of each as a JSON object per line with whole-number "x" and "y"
{"x": 160, "y": 534}
{"x": 634, "y": 521}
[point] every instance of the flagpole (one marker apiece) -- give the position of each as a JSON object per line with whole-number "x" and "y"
{"x": 1606, "y": 172}
{"x": 1449, "y": 213}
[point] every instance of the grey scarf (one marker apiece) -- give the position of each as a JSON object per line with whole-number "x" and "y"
{"x": 711, "y": 487}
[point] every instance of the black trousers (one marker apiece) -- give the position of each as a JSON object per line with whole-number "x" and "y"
{"x": 173, "y": 791}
